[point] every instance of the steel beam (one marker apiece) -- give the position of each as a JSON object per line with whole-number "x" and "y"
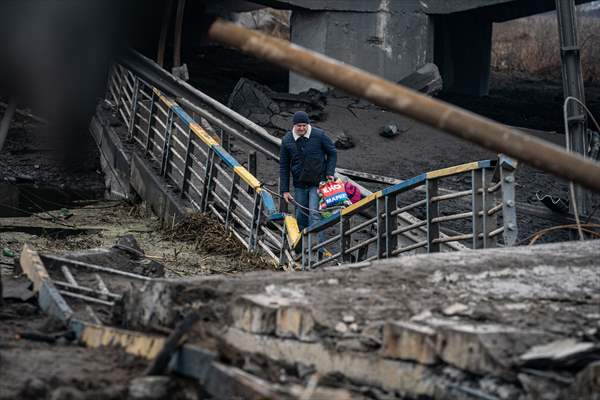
{"x": 573, "y": 87}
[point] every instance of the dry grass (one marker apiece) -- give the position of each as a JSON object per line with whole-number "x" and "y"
{"x": 209, "y": 236}
{"x": 531, "y": 45}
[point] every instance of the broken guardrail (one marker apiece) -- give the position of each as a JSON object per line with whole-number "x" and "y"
{"x": 202, "y": 172}
{"x": 489, "y": 182}
{"x": 195, "y": 163}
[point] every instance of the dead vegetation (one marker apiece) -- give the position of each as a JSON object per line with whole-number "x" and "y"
{"x": 531, "y": 45}
{"x": 209, "y": 236}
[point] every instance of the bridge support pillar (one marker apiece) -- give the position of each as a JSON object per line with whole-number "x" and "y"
{"x": 463, "y": 48}
{"x": 388, "y": 43}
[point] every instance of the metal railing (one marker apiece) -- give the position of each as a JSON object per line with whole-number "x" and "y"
{"x": 229, "y": 122}
{"x": 381, "y": 234}
{"x": 200, "y": 171}
{"x": 194, "y": 164}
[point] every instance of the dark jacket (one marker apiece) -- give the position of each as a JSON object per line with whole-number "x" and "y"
{"x": 318, "y": 146}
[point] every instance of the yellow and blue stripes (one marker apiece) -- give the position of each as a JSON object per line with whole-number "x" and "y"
{"x": 398, "y": 188}
{"x": 269, "y": 207}
{"x": 245, "y": 175}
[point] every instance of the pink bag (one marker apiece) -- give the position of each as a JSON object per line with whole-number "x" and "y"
{"x": 353, "y": 192}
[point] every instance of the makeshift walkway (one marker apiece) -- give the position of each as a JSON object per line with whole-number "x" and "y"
{"x": 194, "y": 167}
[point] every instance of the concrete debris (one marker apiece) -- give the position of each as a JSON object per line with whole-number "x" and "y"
{"x": 392, "y": 130}
{"x": 16, "y": 291}
{"x": 274, "y": 110}
{"x": 409, "y": 341}
{"x": 425, "y": 314}
{"x": 295, "y": 321}
{"x": 343, "y": 141}
{"x": 456, "y": 309}
{"x": 126, "y": 255}
{"x": 341, "y": 327}
{"x": 484, "y": 349}
{"x": 181, "y": 72}
{"x": 150, "y": 388}
{"x": 426, "y": 79}
{"x": 541, "y": 388}
{"x": 380, "y": 338}
{"x": 257, "y": 313}
{"x": 561, "y": 353}
{"x": 260, "y": 335}
{"x": 348, "y": 319}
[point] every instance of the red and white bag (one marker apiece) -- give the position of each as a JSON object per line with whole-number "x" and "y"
{"x": 333, "y": 193}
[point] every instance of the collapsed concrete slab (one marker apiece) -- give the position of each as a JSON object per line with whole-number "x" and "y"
{"x": 397, "y": 325}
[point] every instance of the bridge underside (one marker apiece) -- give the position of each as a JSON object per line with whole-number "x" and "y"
{"x": 393, "y": 39}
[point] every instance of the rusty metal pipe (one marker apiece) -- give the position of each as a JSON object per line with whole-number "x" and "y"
{"x": 456, "y": 121}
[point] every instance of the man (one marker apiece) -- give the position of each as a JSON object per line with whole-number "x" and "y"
{"x": 310, "y": 156}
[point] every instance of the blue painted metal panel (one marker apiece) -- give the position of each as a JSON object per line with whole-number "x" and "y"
{"x": 406, "y": 185}
{"x": 183, "y": 115}
{"x": 277, "y": 216}
{"x": 268, "y": 203}
{"x": 53, "y": 303}
{"x": 335, "y": 217}
{"x": 225, "y": 156}
{"x": 486, "y": 164}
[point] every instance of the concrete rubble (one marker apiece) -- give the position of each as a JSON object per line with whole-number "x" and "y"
{"x": 426, "y": 79}
{"x": 511, "y": 323}
{"x": 518, "y": 323}
{"x": 272, "y": 109}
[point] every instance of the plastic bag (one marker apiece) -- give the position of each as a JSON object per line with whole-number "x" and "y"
{"x": 332, "y": 193}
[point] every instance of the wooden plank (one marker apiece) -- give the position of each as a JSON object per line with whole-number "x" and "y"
{"x": 33, "y": 267}
{"x": 139, "y": 344}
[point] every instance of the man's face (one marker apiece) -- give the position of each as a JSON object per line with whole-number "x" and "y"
{"x": 301, "y": 129}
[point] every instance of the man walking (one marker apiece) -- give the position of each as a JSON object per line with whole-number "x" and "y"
{"x": 310, "y": 156}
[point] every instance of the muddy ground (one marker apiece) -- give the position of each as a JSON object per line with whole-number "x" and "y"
{"x": 33, "y": 370}
{"x": 65, "y": 369}
{"x": 53, "y": 204}
{"x": 201, "y": 247}
{"x": 419, "y": 148}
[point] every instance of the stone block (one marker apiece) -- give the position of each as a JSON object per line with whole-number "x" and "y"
{"x": 484, "y": 349}
{"x": 409, "y": 341}
{"x": 295, "y": 321}
{"x": 257, "y": 313}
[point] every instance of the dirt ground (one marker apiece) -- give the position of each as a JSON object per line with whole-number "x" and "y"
{"x": 53, "y": 204}
{"x": 184, "y": 250}
{"x": 35, "y": 370}
{"x": 514, "y": 100}
{"x": 32, "y": 370}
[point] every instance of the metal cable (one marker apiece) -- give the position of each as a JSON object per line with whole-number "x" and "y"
{"x": 296, "y": 204}
{"x": 568, "y": 146}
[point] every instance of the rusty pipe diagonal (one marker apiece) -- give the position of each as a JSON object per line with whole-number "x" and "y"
{"x": 438, "y": 114}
